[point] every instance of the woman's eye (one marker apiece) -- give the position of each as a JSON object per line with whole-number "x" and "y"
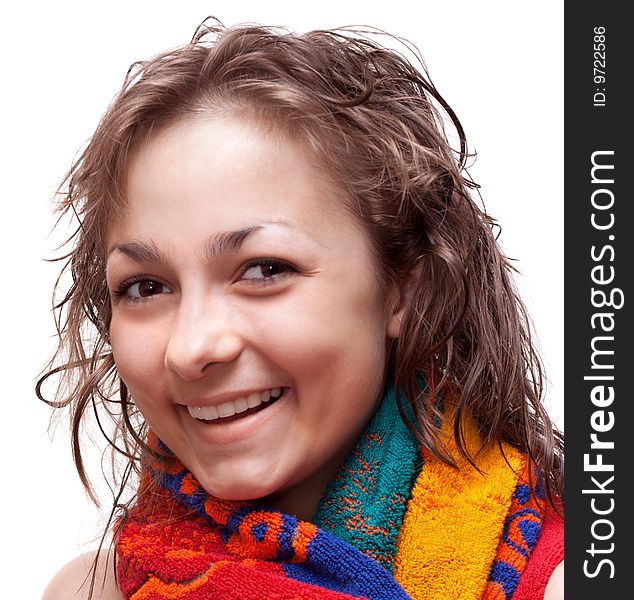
{"x": 266, "y": 270}
{"x": 142, "y": 289}
{"x": 145, "y": 289}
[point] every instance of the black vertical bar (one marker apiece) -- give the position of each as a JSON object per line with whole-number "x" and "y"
{"x": 599, "y": 342}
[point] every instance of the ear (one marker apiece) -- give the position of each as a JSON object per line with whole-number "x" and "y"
{"x": 401, "y": 297}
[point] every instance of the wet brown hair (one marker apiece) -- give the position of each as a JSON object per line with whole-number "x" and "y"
{"x": 377, "y": 123}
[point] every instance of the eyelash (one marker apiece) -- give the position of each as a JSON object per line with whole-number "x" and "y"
{"x": 122, "y": 291}
{"x": 287, "y": 270}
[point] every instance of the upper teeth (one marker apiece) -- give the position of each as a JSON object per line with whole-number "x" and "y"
{"x": 230, "y": 408}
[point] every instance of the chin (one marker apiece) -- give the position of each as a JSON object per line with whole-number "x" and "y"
{"x": 243, "y": 489}
{"x": 242, "y": 493}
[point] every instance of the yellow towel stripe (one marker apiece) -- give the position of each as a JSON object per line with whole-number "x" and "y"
{"x": 454, "y": 521}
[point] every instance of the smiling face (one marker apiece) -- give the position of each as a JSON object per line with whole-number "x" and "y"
{"x": 237, "y": 277}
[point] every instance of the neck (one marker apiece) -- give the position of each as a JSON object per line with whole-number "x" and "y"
{"x": 301, "y": 499}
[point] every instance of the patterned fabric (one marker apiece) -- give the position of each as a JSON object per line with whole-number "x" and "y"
{"x": 521, "y": 531}
{"x": 547, "y": 554}
{"x": 365, "y": 503}
{"x": 469, "y": 530}
{"x": 385, "y": 529}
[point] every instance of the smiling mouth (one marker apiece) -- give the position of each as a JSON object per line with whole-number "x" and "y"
{"x": 236, "y": 409}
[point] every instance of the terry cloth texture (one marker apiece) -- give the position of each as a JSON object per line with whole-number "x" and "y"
{"x": 385, "y": 529}
{"x": 548, "y": 553}
{"x": 469, "y": 533}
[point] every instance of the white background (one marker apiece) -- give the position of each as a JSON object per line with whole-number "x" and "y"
{"x": 499, "y": 65}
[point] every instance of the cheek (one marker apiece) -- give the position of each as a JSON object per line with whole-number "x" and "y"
{"x": 138, "y": 351}
{"x": 327, "y": 333}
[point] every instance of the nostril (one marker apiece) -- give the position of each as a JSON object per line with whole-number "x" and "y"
{"x": 191, "y": 356}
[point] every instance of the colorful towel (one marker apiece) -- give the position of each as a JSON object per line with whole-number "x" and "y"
{"x": 385, "y": 529}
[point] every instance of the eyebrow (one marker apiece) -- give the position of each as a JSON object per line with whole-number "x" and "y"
{"x": 140, "y": 252}
{"x": 230, "y": 241}
{"x": 219, "y": 244}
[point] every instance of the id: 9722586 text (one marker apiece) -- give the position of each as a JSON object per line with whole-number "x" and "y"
{"x": 599, "y": 96}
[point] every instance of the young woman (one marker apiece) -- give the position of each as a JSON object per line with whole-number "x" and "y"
{"x": 307, "y": 344}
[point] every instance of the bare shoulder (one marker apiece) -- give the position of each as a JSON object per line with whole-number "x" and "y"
{"x": 555, "y": 588}
{"x": 72, "y": 581}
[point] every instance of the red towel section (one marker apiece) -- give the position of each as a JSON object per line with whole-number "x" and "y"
{"x": 547, "y": 554}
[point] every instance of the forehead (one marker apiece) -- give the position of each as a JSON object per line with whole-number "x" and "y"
{"x": 226, "y": 174}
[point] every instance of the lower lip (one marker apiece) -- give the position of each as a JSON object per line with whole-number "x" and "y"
{"x": 239, "y": 426}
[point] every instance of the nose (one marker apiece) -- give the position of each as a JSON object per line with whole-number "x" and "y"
{"x": 202, "y": 334}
